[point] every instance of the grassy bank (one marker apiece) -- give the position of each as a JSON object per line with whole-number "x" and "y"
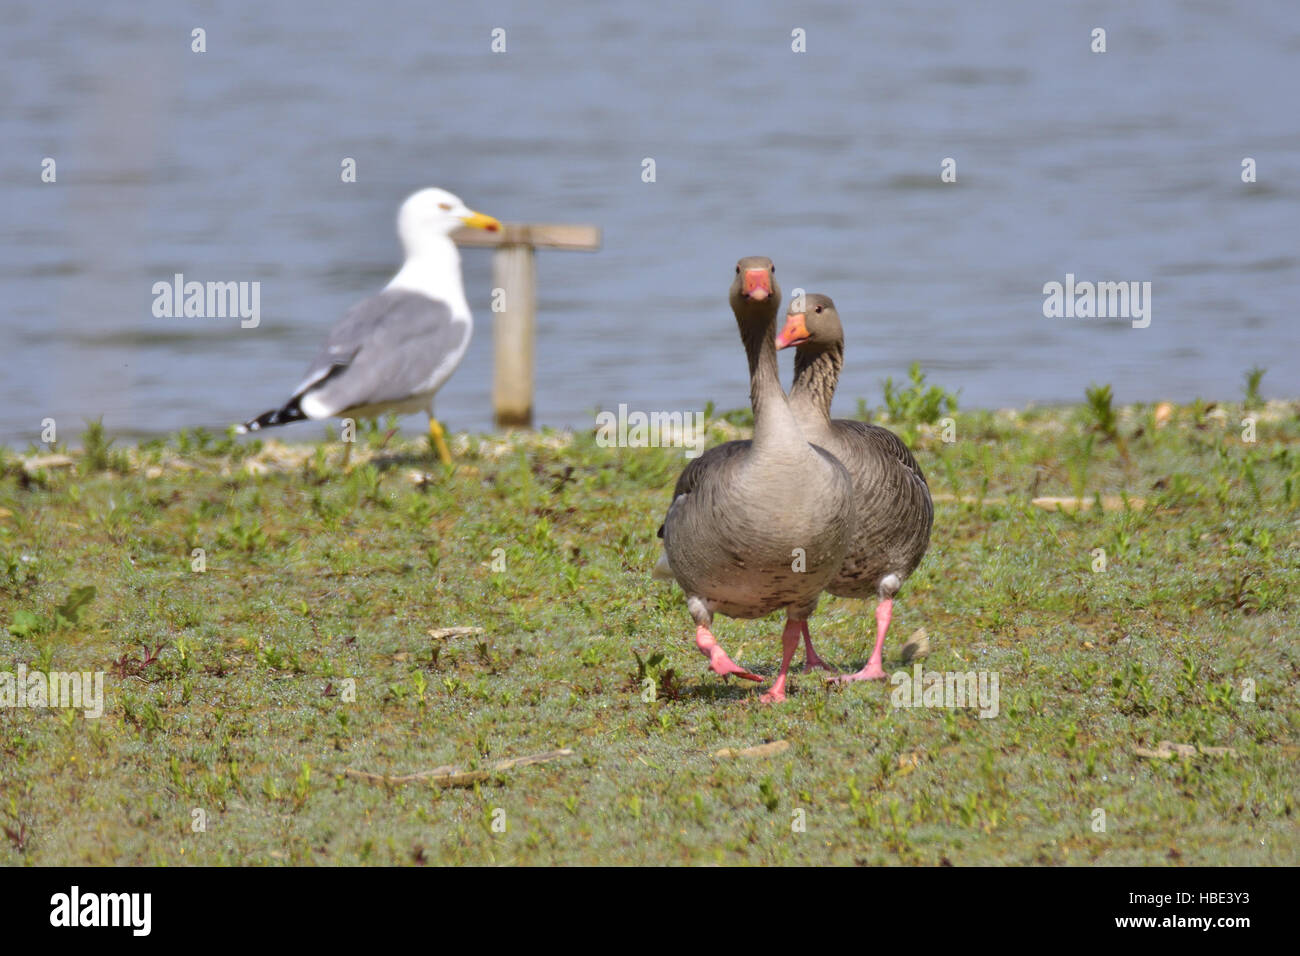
{"x": 226, "y": 687}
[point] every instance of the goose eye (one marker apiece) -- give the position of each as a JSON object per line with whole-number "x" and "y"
{"x": 445, "y": 206}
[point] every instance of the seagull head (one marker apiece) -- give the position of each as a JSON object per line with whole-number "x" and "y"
{"x": 431, "y": 215}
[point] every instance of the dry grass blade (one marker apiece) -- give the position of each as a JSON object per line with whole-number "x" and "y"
{"x": 438, "y": 633}
{"x": 1166, "y": 750}
{"x": 452, "y": 776}
{"x": 762, "y": 750}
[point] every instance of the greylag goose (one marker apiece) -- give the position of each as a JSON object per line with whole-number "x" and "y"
{"x": 759, "y": 526}
{"x": 891, "y": 498}
{"x": 393, "y": 351}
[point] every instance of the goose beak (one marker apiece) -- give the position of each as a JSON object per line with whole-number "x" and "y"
{"x": 757, "y": 285}
{"x": 476, "y": 220}
{"x": 794, "y": 332}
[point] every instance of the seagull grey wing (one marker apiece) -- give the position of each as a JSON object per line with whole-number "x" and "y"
{"x": 389, "y": 348}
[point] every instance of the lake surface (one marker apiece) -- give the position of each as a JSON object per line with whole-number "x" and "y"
{"x": 225, "y": 166}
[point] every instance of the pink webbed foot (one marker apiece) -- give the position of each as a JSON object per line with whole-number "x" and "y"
{"x": 874, "y": 669}
{"x": 811, "y": 661}
{"x": 724, "y": 666}
{"x": 814, "y": 663}
{"x": 719, "y": 662}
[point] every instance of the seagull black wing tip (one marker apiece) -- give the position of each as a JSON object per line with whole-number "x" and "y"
{"x": 276, "y": 416}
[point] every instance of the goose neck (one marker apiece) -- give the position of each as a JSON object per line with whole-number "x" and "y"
{"x": 773, "y": 421}
{"x": 815, "y": 377}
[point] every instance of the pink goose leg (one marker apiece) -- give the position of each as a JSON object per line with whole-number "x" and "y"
{"x": 874, "y": 670}
{"x": 719, "y": 662}
{"x": 789, "y": 644}
{"x": 810, "y": 658}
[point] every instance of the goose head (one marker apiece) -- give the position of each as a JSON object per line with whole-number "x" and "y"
{"x": 755, "y": 296}
{"x": 813, "y": 324}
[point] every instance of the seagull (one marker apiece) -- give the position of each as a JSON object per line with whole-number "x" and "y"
{"x": 393, "y": 351}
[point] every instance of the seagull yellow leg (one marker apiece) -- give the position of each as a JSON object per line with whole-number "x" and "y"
{"x": 439, "y": 439}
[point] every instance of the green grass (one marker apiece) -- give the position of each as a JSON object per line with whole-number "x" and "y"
{"x": 223, "y": 686}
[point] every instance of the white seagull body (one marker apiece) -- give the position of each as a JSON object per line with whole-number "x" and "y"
{"x": 393, "y": 351}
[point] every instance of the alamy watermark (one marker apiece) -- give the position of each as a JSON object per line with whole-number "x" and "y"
{"x": 951, "y": 689}
{"x": 651, "y": 430}
{"x": 75, "y": 908}
{"x": 1100, "y": 300}
{"x": 80, "y": 691}
{"x": 208, "y": 300}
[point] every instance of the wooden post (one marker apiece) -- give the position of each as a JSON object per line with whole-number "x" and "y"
{"x": 514, "y": 334}
{"x": 514, "y": 329}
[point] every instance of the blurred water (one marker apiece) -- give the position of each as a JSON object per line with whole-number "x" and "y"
{"x": 225, "y": 166}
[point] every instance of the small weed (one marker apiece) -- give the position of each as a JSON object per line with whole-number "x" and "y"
{"x": 915, "y": 402}
{"x": 1253, "y": 377}
{"x": 1101, "y": 413}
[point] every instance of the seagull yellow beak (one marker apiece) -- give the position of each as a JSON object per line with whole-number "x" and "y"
{"x": 476, "y": 220}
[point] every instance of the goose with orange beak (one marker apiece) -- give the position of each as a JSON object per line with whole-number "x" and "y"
{"x": 763, "y": 525}
{"x": 891, "y": 497}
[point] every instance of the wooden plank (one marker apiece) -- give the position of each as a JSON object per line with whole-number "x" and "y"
{"x": 514, "y": 271}
{"x": 543, "y": 235}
